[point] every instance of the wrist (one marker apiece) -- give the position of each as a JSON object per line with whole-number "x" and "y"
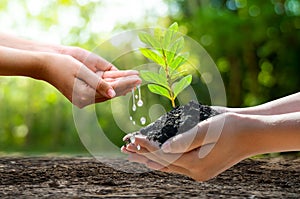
{"x": 251, "y": 133}
{"x": 270, "y": 133}
{"x": 41, "y": 70}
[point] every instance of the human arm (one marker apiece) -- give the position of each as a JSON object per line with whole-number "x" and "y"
{"x": 202, "y": 153}
{"x": 72, "y": 78}
{"x": 283, "y": 105}
{"x": 91, "y": 60}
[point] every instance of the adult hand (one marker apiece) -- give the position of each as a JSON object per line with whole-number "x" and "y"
{"x": 201, "y": 153}
{"x": 89, "y": 59}
{"x": 210, "y": 148}
{"x": 84, "y": 85}
{"x": 95, "y": 79}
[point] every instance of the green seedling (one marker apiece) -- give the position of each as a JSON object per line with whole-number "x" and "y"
{"x": 164, "y": 48}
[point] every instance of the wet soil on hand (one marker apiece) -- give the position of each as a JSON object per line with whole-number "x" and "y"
{"x": 178, "y": 120}
{"x": 85, "y": 177}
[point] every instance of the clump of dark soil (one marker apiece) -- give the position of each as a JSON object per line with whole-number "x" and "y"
{"x": 178, "y": 120}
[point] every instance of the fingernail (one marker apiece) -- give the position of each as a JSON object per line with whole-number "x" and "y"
{"x": 111, "y": 93}
{"x": 166, "y": 147}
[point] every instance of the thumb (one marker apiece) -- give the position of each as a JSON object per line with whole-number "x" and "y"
{"x": 92, "y": 79}
{"x": 181, "y": 143}
{"x": 105, "y": 89}
{"x": 193, "y": 138}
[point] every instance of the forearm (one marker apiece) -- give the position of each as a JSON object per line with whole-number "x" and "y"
{"x": 268, "y": 134}
{"x": 283, "y": 105}
{"x": 23, "y": 44}
{"x": 14, "y": 62}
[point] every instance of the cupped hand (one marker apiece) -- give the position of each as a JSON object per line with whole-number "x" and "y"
{"x": 201, "y": 153}
{"x": 89, "y": 59}
{"x": 82, "y": 86}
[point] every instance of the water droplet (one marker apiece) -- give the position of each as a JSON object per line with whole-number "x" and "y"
{"x": 136, "y": 96}
{"x": 143, "y": 120}
{"x": 134, "y": 107}
{"x": 130, "y": 118}
{"x": 140, "y": 103}
{"x": 133, "y": 101}
{"x": 138, "y": 147}
{"x": 132, "y": 139}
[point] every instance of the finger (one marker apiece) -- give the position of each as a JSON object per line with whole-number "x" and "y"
{"x": 127, "y": 137}
{"x": 184, "y": 142}
{"x": 206, "y": 132}
{"x": 169, "y": 169}
{"x": 152, "y": 150}
{"x": 103, "y": 65}
{"x": 124, "y": 84}
{"x": 157, "y": 166}
{"x": 131, "y": 147}
{"x": 120, "y": 73}
{"x": 145, "y": 143}
{"x": 105, "y": 89}
{"x": 159, "y": 156}
{"x": 124, "y": 150}
{"x": 132, "y": 157}
{"x": 220, "y": 109}
{"x": 95, "y": 82}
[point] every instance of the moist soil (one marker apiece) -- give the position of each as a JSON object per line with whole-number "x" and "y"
{"x": 85, "y": 177}
{"x": 178, "y": 120}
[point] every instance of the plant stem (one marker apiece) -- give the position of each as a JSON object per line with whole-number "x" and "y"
{"x": 173, "y": 102}
{"x": 168, "y": 78}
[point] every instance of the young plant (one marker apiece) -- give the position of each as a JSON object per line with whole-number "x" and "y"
{"x": 164, "y": 48}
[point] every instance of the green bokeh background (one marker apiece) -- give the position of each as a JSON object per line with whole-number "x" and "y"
{"x": 254, "y": 43}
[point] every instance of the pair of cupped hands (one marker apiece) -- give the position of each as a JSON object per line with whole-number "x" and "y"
{"x": 87, "y": 78}
{"x": 200, "y": 153}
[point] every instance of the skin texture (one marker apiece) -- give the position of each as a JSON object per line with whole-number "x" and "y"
{"x": 81, "y": 76}
{"x": 207, "y": 150}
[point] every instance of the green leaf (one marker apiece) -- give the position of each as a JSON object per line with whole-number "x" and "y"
{"x": 176, "y": 75}
{"x": 179, "y": 60}
{"x": 159, "y": 90}
{"x": 174, "y": 27}
{"x": 169, "y": 33}
{"x": 167, "y": 38}
{"x": 154, "y": 78}
{"x": 175, "y": 48}
{"x": 162, "y": 73}
{"x": 149, "y": 40}
{"x": 181, "y": 85}
{"x": 158, "y": 34}
{"x": 152, "y": 55}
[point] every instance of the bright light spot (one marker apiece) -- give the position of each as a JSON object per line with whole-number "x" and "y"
{"x": 115, "y": 12}
{"x": 107, "y": 15}
{"x": 254, "y": 11}
{"x": 241, "y": 3}
{"x": 231, "y": 5}
{"x": 206, "y": 40}
{"x": 223, "y": 65}
{"x": 20, "y": 131}
{"x": 293, "y": 7}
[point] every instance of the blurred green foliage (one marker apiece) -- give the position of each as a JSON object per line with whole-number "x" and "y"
{"x": 254, "y": 43}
